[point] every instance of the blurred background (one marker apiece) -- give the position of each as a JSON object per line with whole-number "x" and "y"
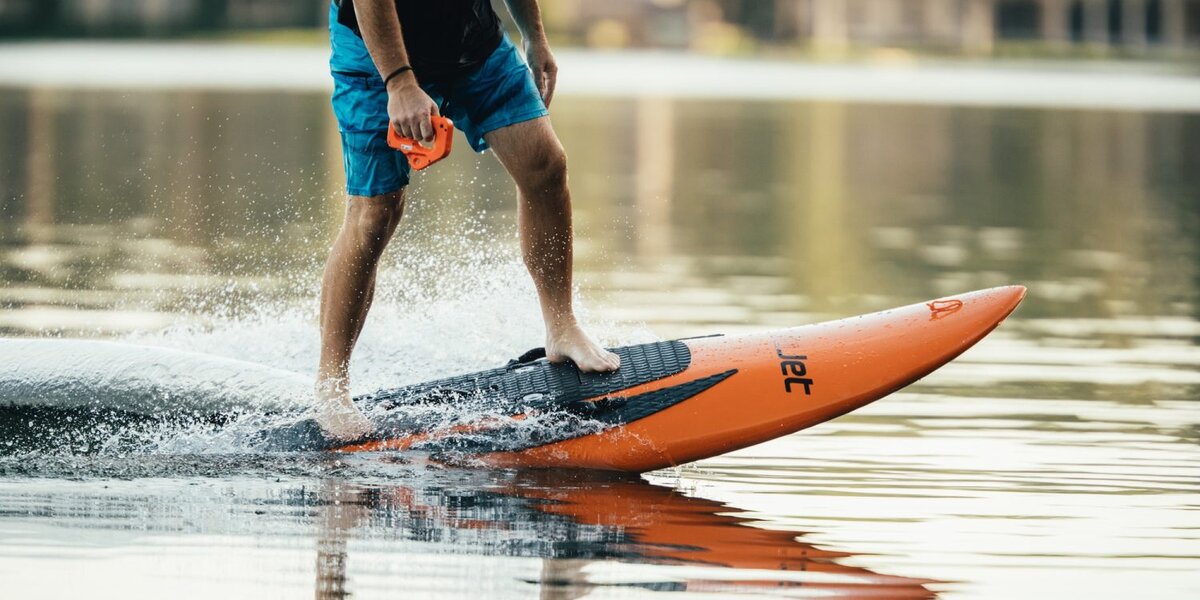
{"x": 976, "y": 27}
{"x": 156, "y": 149}
{"x": 171, "y": 174}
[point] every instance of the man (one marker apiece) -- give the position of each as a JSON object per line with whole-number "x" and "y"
{"x": 400, "y": 61}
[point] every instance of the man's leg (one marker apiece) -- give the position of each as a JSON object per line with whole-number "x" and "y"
{"x": 346, "y": 293}
{"x": 533, "y": 156}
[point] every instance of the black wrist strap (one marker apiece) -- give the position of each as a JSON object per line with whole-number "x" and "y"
{"x": 393, "y": 74}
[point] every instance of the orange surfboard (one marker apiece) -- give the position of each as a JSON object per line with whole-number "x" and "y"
{"x": 680, "y": 401}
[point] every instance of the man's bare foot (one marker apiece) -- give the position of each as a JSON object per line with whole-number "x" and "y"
{"x": 337, "y": 415}
{"x": 572, "y": 343}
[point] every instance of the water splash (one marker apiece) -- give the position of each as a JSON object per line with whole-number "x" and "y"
{"x": 213, "y": 384}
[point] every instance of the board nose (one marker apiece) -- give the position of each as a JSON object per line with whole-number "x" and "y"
{"x": 999, "y": 301}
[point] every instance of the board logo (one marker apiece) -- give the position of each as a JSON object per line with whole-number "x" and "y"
{"x": 794, "y": 371}
{"x": 939, "y": 309}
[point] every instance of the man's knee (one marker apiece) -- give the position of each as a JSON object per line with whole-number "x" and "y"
{"x": 548, "y": 169}
{"x": 374, "y": 218}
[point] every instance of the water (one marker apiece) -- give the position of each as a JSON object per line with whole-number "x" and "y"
{"x": 1059, "y": 457}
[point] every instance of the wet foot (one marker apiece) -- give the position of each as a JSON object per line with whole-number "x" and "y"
{"x": 573, "y": 344}
{"x": 337, "y": 415}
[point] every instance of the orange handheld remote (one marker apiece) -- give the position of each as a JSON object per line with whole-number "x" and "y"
{"x": 420, "y": 156}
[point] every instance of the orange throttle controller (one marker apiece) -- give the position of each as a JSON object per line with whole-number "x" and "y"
{"x": 420, "y": 156}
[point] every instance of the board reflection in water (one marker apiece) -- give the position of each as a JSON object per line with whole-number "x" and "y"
{"x": 369, "y": 528}
{"x": 577, "y": 521}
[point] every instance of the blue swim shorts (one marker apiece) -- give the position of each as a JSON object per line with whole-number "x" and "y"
{"x": 499, "y": 93}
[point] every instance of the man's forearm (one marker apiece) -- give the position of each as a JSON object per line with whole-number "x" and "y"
{"x": 528, "y": 18}
{"x": 380, "y": 29}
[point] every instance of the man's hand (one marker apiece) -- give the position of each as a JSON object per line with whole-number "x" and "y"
{"x": 409, "y": 108}
{"x": 545, "y": 70}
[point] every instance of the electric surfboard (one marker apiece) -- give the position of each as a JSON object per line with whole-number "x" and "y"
{"x": 676, "y": 401}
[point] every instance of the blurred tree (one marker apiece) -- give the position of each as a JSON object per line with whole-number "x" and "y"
{"x": 46, "y": 11}
{"x": 212, "y": 14}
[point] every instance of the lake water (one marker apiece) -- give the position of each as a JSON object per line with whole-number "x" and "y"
{"x": 1058, "y": 458}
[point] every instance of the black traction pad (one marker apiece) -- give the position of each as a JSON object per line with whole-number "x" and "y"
{"x": 528, "y": 383}
{"x": 535, "y": 386}
{"x": 576, "y": 420}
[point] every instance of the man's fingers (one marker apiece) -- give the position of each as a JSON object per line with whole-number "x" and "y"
{"x": 401, "y": 127}
{"x": 413, "y": 120}
{"x": 551, "y": 82}
{"x": 412, "y": 127}
{"x": 428, "y": 123}
{"x": 425, "y": 126}
{"x": 540, "y": 81}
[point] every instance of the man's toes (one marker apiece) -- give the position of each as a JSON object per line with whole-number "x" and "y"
{"x": 608, "y": 361}
{"x": 595, "y": 363}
